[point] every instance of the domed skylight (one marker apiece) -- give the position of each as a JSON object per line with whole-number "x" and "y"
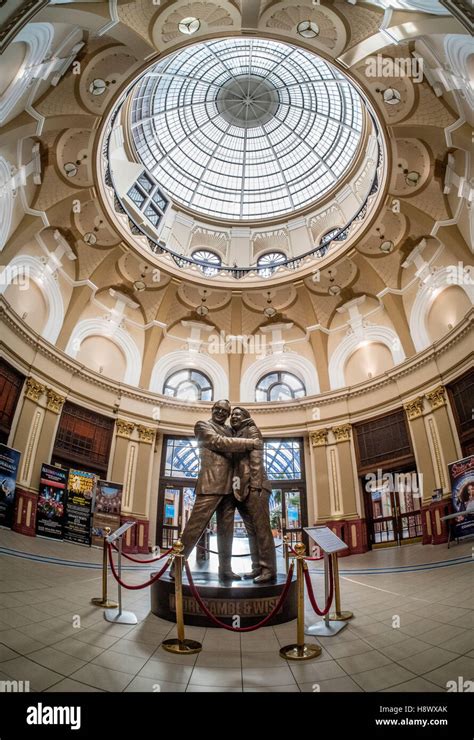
{"x": 245, "y": 129}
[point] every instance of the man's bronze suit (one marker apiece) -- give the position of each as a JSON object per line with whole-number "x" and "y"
{"x": 251, "y": 497}
{"x": 214, "y": 483}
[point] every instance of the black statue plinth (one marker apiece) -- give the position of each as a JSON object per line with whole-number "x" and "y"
{"x": 250, "y": 601}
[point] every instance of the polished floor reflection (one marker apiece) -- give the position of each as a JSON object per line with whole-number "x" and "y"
{"x": 45, "y": 586}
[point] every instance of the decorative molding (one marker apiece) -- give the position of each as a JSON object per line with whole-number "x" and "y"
{"x": 319, "y": 438}
{"x": 30, "y": 448}
{"x": 342, "y": 433}
{"x": 437, "y": 397}
{"x": 186, "y": 359}
{"x": 414, "y": 408}
{"x": 146, "y": 434}
{"x": 288, "y": 362}
{"x": 107, "y": 329}
{"x": 54, "y": 401}
{"x": 34, "y": 390}
{"x": 352, "y": 342}
{"x": 124, "y": 428}
{"x": 437, "y": 452}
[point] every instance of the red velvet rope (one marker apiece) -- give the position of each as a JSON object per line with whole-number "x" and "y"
{"x": 253, "y": 627}
{"x": 141, "y": 585}
{"x": 136, "y": 560}
{"x": 312, "y": 599}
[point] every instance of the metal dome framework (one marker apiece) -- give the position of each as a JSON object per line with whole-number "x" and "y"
{"x": 242, "y": 129}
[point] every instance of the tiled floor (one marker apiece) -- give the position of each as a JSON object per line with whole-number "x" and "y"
{"x": 413, "y": 630}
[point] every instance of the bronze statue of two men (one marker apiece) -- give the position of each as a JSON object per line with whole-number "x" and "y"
{"x": 232, "y": 476}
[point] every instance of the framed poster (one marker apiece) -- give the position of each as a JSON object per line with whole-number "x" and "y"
{"x": 9, "y": 464}
{"x": 108, "y": 502}
{"x": 461, "y": 474}
{"x": 51, "y": 502}
{"x": 81, "y": 487}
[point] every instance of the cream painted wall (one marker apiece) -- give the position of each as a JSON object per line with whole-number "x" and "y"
{"x": 97, "y": 352}
{"x": 374, "y": 358}
{"x": 30, "y": 302}
{"x": 449, "y": 308}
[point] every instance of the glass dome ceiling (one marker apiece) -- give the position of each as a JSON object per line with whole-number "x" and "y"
{"x": 245, "y": 129}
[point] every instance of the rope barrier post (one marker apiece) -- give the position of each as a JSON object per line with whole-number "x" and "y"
{"x": 338, "y": 615}
{"x": 300, "y": 650}
{"x": 325, "y": 628}
{"x": 180, "y": 645}
{"x": 103, "y": 600}
{"x": 286, "y": 551}
{"x": 112, "y": 615}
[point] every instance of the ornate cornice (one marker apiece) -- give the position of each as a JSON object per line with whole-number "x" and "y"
{"x": 437, "y": 397}
{"x": 54, "y": 401}
{"x": 34, "y": 389}
{"x": 342, "y": 433}
{"x": 319, "y": 438}
{"x": 124, "y": 428}
{"x": 414, "y": 408}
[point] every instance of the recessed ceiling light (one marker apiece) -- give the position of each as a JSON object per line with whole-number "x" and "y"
{"x": 269, "y": 311}
{"x": 98, "y": 87}
{"x": 307, "y": 29}
{"x": 386, "y": 246}
{"x": 90, "y": 238}
{"x": 202, "y": 310}
{"x": 70, "y": 169}
{"x": 334, "y": 290}
{"x": 412, "y": 178}
{"x": 189, "y": 25}
{"x": 139, "y": 286}
{"x": 391, "y": 96}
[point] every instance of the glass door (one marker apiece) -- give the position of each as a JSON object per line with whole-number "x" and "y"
{"x": 394, "y": 511}
{"x": 177, "y": 502}
{"x": 286, "y": 513}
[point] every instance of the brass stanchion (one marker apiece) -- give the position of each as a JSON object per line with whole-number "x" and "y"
{"x": 300, "y": 650}
{"x": 180, "y": 644}
{"x": 338, "y": 615}
{"x": 286, "y": 551}
{"x": 103, "y": 600}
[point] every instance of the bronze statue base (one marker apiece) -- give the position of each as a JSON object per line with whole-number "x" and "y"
{"x": 250, "y": 601}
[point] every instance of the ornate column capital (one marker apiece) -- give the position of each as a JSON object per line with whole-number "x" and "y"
{"x": 124, "y": 428}
{"x": 319, "y": 438}
{"x": 54, "y": 401}
{"x": 414, "y": 408}
{"x": 146, "y": 434}
{"x": 342, "y": 433}
{"x": 437, "y": 397}
{"x": 34, "y": 390}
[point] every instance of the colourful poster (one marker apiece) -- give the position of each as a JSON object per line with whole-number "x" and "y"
{"x": 108, "y": 501}
{"x": 461, "y": 474}
{"x": 9, "y": 464}
{"x": 81, "y": 488}
{"x": 51, "y": 502}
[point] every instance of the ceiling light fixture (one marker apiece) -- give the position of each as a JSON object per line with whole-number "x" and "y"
{"x": 189, "y": 25}
{"x": 391, "y": 96}
{"x": 334, "y": 290}
{"x": 307, "y": 29}
{"x": 98, "y": 87}
{"x": 412, "y": 178}
{"x": 386, "y": 246}
{"x": 70, "y": 169}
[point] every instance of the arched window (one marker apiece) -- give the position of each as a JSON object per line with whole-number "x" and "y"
{"x": 205, "y": 255}
{"x": 188, "y": 385}
{"x": 279, "y": 387}
{"x": 268, "y": 262}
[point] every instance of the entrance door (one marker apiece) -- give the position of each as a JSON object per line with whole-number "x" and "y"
{"x": 286, "y": 512}
{"x": 394, "y": 516}
{"x": 177, "y": 502}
